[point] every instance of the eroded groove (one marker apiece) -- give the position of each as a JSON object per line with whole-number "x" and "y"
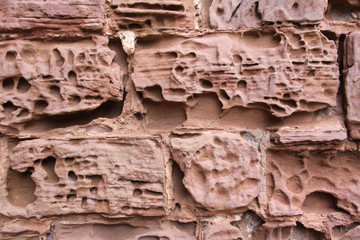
{"x": 109, "y": 109}
{"x": 341, "y": 95}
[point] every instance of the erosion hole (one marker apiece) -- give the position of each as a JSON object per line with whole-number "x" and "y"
{"x": 40, "y": 106}
{"x": 21, "y": 188}
{"x": 23, "y": 85}
{"x": 9, "y": 107}
{"x": 8, "y": 84}
{"x": 11, "y": 56}
{"x": 48, "y": 164}
{"x": 206, "y": 84}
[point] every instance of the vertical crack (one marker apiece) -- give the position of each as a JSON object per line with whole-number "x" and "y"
{"x": 341, "y": 95}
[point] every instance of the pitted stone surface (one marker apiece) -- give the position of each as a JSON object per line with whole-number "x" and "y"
{"x": 59, "y": 16}
{"x": 110, "y": 176}
{"x": 179, "y": 119}
{"x": 151, "y": 14}
{"x": 307, "y": 11}
{"x": 280, "y": 72}
{"x": 312, "y": 182}
{"x": 234, "y": 14}
{"x": 237, "y": 14}
{"x": 40, "y": 79}
{"x": 222, "y": 170}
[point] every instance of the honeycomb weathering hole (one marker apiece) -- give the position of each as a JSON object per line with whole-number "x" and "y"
{"x": 48, "y": 164}
{"x": 40, "y": 106}
{"x": 8, "y": 84}
{"x": 206, "y": 84}
{"x": 23, "y": 85}
{"x": 9, "y": 107}
{"x": 72, "y": 77}
{"x": 21, "y": 188}
{"x": 139, "y": 117}
{"x": 319, "y": 202}
{"x": 10, "y": 56}
{"x": 55, "y": 92}
{"x": 241, "y": 85}
{"x": 59, "y": 60}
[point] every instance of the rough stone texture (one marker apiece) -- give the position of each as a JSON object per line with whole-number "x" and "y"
{"x": 222, "y": 170}
{"x": 50, "y": 79}
{"x": 234, "y": 14}
{"x": 316, "y": 133}
{"x": 253, "y": 13}
{"x": 113, "y": 176}
{"x": 351, "y": 232}
{"x": 308, "y": 183}
{"x": 138, "y": 15}
{"x": 60, "y": 16}
{"x": 345, "y": 11}
{"x": 309, "y": 11}
{"x": 249, "y": 226}
{"x": 179, "y": 119}
{"x": 352, "y": 81}
{"x": 280, "y": 72}
{"x": 147, "y": 230}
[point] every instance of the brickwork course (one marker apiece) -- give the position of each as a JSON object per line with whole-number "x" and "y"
{"x": 180, "y": 119}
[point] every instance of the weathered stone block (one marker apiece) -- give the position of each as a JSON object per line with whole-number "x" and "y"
{"x": 61, "y": 16}
{"x": 352, "y": 83}
{"x": 151, "y": 14}
{"x": 309, "y": 183}
{"x": 308, "y": 11}
{"x": 234, "y": 14}
{"x": 324, "y": 131}
{"x": 50, "y": 78}
{"x": 128, "y": 231}
{"x": 281, "y": 72}
{"x": 246, "y": 226}
{"x": 249, "y": 226}
{"x": 255, "y": 13}
{"x": 221, "y": 169}
{"x": 110, "y": 176}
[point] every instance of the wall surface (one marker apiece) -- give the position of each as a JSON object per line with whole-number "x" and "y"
{"x": 180, "y": 119}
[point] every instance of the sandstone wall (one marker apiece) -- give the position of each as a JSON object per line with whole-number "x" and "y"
{"x": 180, "y": 119}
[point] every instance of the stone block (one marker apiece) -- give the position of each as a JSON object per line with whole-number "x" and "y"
{"x": 36, "y": 17}
{"x": 120, "y": 176}
{"x": 48, "y": 78}
{"x": 221, "y": 169}
{"x": 280, "y": 72}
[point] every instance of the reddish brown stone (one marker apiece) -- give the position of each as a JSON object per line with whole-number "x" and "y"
{"x": 313, "y": 185}
{"x": 151, "y": 14}
{"x": 46, "y": 79}
{"x": 179, "y": 119}
{"x": 332, "y": 131}
{"x": 140, "y": 230}
{"x": 254, "y": 13}
{"x": 251, "y": 227}
{"x": 60, "y": 16}
{"x": 222, "y": 169}
{"x": 304, "y": 12}
{"x": 234, "y": 14}
{"x": 280, "y": 72}
{"x": 119, "y": 176}
{"x": 352, "y": 83}
{"x": 351, "y": 232}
